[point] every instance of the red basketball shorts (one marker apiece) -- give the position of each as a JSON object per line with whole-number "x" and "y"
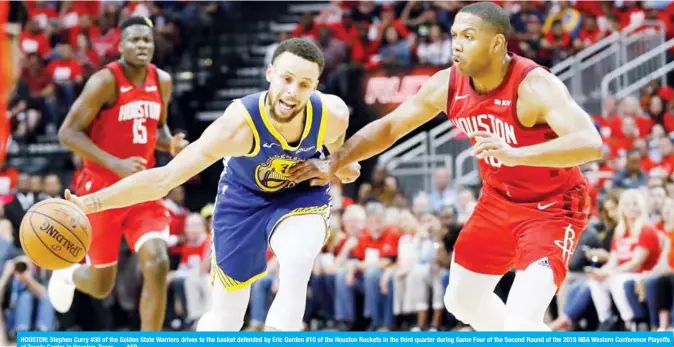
{"x": 138, "y": 223}
{"x": 502, "y": 235}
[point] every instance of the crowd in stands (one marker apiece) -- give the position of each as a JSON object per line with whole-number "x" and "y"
{"x": 404, "y": 33}
{"x": 387, "y": 261}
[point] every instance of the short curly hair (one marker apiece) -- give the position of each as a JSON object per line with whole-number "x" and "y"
{"x": 302, "y": 48}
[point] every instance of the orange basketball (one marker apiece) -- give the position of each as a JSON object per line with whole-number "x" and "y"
{"x": 55, "y": 234}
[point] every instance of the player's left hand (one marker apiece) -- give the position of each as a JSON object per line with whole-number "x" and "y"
{"x": 490, "y": 145}
{"x": 318, "y": 170}
{"x": 178, "y": 143}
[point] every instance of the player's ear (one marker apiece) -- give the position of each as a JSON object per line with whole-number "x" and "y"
{"x": 268, "y": 73}
{"x": 499, "y": 43}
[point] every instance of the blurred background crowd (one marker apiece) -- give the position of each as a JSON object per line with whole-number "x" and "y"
{"x": 386, "y": 263}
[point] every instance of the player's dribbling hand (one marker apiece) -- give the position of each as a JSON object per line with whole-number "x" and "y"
{"x": 318, "y": 170}
{"x": 178, "y": 143}
{"x": 129, "y": 166}
{"x": 490, "y": 145}
{"x": 75, "y": 200}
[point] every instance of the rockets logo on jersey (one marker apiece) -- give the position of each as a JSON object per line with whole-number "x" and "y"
{"x": 491, "y": 124}
{"x": 139, "y": 112}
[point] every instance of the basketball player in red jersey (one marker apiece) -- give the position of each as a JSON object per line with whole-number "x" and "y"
{"x": 529, "y": 137}
{"x": 115, "y": 125}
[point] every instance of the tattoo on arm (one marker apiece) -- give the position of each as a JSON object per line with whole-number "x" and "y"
{"x": 93, "y": 204}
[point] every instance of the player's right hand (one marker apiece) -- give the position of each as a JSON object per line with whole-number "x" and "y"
{"x": 75, "y": 200}
{"x": 129, "y": 166}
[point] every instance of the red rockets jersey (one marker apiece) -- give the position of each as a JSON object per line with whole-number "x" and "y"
{"x": 496, "y": 113}
{"x": 129, "y": 127}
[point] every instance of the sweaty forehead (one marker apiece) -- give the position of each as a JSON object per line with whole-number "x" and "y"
{"x": 136, "y": 30}
{"x": 465, "y": 21}
{"x": 297, "y": 66}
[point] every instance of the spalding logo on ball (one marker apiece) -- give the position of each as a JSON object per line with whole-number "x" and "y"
{"x": 55, "y": 234}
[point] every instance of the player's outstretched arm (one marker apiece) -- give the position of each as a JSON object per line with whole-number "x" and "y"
{"x": 545, "y": 96}
{"x": 381, "y": 134}
{"x": 228, "y": 136}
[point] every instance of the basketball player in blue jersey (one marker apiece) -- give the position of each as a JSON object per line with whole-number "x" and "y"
{"x": 261, "y": 136}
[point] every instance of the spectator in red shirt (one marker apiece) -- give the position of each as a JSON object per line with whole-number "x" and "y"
{"x": 87, "y": 56}
{"x": 190, "y": 283}
{"x": 376, "y": 250}
{"x": 388, "y": 18}
{"x": 42, "y": 91}
{"x": 66, "y": 72}
{"x": 106, "y": 42}
{"x": 661, "y": 156}
{"x": 346, "y": 30}
{"x": 635, "y": 248}
{"x": 656, "y": 110}
{"x": 32, "y": 40}
{"x": 364, "y": 49}
{"x": 530, "y": 41}
{"x": 306, "y": 27}
{"x": 630, "y": 107}
{"x": 557, "y": 44}
{"x": 589, "y": 33}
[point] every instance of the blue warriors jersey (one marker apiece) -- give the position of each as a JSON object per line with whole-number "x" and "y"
{"x": 255, "y": 195}
{"x": 265, "y": 169}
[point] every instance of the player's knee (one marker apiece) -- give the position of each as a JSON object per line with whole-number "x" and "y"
{"x": 154, "y": 263}
{"x": 155, "y": 270}
{"x": 456, "y": 304}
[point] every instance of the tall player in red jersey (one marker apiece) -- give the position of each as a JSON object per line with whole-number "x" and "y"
{"x": 115, "y": 125}
{"x": 529, "y": 137}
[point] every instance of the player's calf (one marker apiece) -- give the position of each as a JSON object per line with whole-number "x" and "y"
{"x": 154, "y": 264}
{"x": 95, "y": 281}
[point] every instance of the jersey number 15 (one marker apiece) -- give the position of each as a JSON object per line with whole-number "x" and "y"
{"x": 139, "y": 131}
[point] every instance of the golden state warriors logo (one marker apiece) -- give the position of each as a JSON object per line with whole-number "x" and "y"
{"x": 272, "y": 175}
